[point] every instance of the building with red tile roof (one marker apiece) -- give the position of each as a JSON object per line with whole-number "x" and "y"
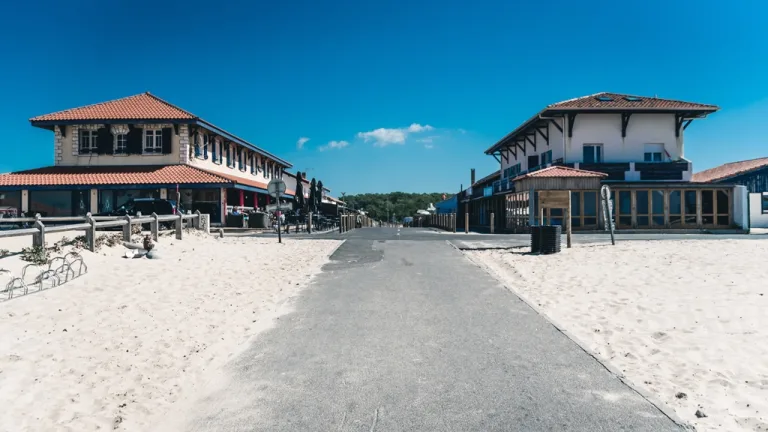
{"x": 634, "y": 144}
{"x": 730, "y": 170}
{"x": 143, "y": 146}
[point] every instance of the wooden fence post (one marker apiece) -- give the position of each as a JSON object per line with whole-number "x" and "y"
{"x": 90, "y": 234}
{"x": 39, "y": 238}
{"x": 196, "y": 221}
{"x": 179, "y": 226}
{"x": 154, "y": 226}
{"x": 309, "y": 223}
{"x": 127, "y": 229}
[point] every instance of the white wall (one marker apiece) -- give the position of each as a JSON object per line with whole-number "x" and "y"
{"x": 756, "y": 217}
{"x": 555, "y": 144}
{"x": 222, "y": 167}
{"x": 605, "y": 129}
{"x": 69, "y": 144}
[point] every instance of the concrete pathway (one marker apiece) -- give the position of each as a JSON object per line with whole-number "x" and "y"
{"x": 408, "y": 335}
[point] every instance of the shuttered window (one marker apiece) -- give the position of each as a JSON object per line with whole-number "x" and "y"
{"x": 153, "y": 141}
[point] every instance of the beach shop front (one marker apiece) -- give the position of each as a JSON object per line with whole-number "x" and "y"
{"x": 75, "y": 191}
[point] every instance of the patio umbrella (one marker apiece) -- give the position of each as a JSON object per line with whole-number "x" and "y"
{"x": 319, "y": 193}
{"x": 299, "y": 197}
{"x": 312, "y": 195}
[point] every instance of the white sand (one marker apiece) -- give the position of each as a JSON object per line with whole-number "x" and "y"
{"x": 117, "y": 347}
{"x": 674, "y": 316}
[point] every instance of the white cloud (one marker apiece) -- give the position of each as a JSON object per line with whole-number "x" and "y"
{"x": 428, "y": 139}
{"x": 334, "y": 145}
{"x": 383, "y": 137}
{"x": 300, "y": 143}
{"x": 415, "y": 127}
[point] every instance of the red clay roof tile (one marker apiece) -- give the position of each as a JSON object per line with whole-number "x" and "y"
{"x": 143, "y": 106}
{"x": 730, "y": 169}
{"x": 562, "y": 172}
{"x": 624, "y": 101}
{"x": 110, "y": 175}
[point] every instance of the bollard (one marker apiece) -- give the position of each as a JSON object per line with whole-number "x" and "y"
{"x": 127, "y": 229}
{"x": 309, "y": 224}
{"x": 90, "y": 234}
{"x": 466, "y": 223}
{"x": 179, "y": 226}
{"x": 154, "y": 226}
{"x": 492, "y": 224}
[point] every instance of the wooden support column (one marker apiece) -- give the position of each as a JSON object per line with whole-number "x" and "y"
{"x": 567, "y": 218}
{"x": 699, "y": 221}
{"x": 633, "y": 200}
{"x": 667, "y": 223}
{"x": 492, "y": 222}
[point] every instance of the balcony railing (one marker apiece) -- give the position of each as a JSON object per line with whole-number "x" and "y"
{"x": 662, "y": 170}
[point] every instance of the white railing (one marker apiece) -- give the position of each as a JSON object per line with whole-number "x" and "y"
{"x": 92, "y": 223}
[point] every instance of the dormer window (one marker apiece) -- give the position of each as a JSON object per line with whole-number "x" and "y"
{"x": 633, "y": 99}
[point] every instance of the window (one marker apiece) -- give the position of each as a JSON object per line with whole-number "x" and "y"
{"x": 241, "y": 159}
{"x": 253, "y": 163}
{"x": 153, "y": 141}
{"x": 593, "y": 153}
{"x": 121, "y": 144}
{"x": 764, "y": 202}
{"x": 546, "y": 157}
{"x": 632, "y": 99}
{"x": 87, "y": 141}
{"x": 653, "y": 153}
{"x": 197, "y": 145}
{"x": 264, "y": 166}
{"x": 533, "y": 161}
{"x": 604, "y": 98}
{"x": 213, "y": 150}
{"x": 675, "y": 208}
{"x": 512, "y": 171}
{"x": 206, "y": 142}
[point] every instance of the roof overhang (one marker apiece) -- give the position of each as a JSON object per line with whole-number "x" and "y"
{"x": 540, "y": 119}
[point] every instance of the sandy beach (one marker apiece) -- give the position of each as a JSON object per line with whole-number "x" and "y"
{"x": 686, "y": 321}
{"x": 117, "y": 347}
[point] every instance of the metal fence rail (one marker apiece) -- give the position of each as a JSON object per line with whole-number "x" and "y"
{"x": 90, "y": 224}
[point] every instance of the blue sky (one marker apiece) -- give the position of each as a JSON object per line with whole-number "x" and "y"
{"x": 392, "y": 95}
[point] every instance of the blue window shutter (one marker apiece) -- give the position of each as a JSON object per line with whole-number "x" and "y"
{"x": 213, "y": 151}
{"x": 197, "y": 145}
{"x": 206, "y": 141}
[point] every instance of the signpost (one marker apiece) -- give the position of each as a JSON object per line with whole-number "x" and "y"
{"x": 276, "y": 188}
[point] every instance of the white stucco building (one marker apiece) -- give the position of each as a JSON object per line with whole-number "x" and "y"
{"x": 636, "y": 142}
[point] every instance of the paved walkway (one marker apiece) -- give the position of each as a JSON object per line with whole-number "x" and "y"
{"x": 408, "y": 335}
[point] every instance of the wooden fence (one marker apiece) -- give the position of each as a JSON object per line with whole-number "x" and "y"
{"x": 90, "y": 224}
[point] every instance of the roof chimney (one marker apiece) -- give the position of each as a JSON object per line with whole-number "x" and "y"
{"x": 472, "y": 171}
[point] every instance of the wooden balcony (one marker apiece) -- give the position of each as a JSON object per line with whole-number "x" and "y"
{"x": 662, "y": 170}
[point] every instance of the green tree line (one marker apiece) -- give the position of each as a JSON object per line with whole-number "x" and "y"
{"x": 399, "y": 204}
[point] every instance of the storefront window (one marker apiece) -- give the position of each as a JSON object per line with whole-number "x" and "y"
{"x": 109, "y": 200}
{"x": 10, "y": 204}
{"x": 60, "y": 203}
{"x": 205, "y": 200}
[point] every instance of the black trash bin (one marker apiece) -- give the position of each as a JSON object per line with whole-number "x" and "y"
{"x": 535, "y": 239}
{"x": 550, "y": 239}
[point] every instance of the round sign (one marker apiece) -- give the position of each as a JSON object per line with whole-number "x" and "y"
{"x": 276, "y": 187}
